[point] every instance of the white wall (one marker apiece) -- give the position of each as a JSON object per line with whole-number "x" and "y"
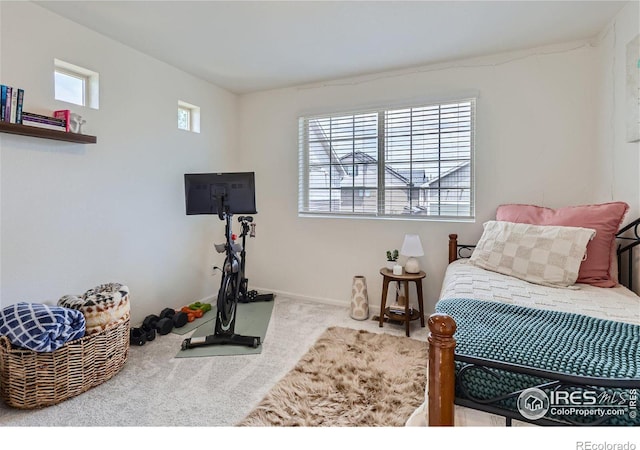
{"x": 535, "y": 137}
{"x": 549, "y": 127}
{"x": 74, "y": 216}
{"x": 617, "y": 161}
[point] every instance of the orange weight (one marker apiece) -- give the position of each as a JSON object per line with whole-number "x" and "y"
{"x": 197, "y": 313}
{"x": 192, "y": 314}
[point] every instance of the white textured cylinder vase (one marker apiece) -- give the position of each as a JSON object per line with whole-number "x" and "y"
{"x": 359, "y": 298}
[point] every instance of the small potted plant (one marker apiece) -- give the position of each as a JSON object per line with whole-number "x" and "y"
{"x": 392, "y": 257}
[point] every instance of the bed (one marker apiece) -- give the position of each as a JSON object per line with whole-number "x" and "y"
{"x": 507, "y": 351}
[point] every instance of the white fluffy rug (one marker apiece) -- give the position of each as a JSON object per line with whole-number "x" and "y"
{"x": 348, "y": 378}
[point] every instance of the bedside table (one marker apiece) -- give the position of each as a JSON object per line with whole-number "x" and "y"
{"x": 405, "y": 278}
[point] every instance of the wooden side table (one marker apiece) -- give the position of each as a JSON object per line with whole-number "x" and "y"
{"x": 405, "y": 278}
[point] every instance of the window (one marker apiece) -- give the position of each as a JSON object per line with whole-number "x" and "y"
{"x": 70, "y": 88}
{"x": 75, "y": 84}
{"x": 188, "y": 117}
{"x": 413, "y": 162}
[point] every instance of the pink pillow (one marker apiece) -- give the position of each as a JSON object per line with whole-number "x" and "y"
{"x": 605, "y": 218}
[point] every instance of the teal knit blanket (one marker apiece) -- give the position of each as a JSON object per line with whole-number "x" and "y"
{"x": 562, "y": 342}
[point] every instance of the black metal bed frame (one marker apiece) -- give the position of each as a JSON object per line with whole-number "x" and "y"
{"x": 556, "y": 380}
{"x": 631, "y": 242}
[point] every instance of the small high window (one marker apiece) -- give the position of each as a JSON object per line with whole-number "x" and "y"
{"x": 75, "y": 84}
{"x": 188, "y": 117}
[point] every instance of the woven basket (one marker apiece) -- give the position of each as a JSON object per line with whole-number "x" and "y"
{"x": 31, "y": 380}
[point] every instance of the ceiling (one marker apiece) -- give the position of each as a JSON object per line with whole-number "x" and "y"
{"x": 247, "y": 46}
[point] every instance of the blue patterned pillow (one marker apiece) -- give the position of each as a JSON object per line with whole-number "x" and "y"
{"x": 39, "y": 327}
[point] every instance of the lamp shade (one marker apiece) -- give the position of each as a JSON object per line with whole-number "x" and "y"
{"x": 412, "y": 246}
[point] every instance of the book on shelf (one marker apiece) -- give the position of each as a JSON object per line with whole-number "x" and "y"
{"x": 14, "y": 105}
{"x": 19, "y": 105}
{"x": 43, "y": 119}
{"x": 28, "y": 120}
{"x": 7, "y": 106}
{"x": 47, "y": 126}
{"x": 399, "y": 309}
{"x": 3, "y": 101}
{"x": 11, "y": 100}
{"x": 63, "y": 114}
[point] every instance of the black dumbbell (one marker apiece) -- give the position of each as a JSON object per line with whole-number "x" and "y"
{"x": 164, "y": 326}
{"x": 179, "y": 318}
{"x": 149, "y": 322}
{"x": 150, "y": 334}
{"x": 161, "y": 326}
{"x": 167, "y": 312}
{"x": 149, "y": 327}
{"x": 137, "y": 336}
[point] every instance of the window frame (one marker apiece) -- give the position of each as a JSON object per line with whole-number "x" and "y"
{"x": 382, "y": 188}
{"x": 90, "y": 81}
{"x": 193, "y": 116}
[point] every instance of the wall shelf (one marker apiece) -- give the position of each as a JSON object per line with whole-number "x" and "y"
{"x": 26, "y": 130}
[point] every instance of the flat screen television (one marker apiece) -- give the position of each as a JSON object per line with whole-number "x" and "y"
{"x": 206, "y": 193}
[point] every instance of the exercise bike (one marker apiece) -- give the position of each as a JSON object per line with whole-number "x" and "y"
{"x": 233, "y": 286}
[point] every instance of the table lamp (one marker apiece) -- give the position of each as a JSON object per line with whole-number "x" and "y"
{"x": 412, "y": 247}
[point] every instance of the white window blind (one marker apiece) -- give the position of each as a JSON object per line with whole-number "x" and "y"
{"x": 413, "y": 162}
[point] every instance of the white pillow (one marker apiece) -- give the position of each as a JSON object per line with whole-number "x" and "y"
{"x": 541, "y": 254}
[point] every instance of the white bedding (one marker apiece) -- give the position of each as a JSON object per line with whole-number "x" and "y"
{"x": 463, "y": 280}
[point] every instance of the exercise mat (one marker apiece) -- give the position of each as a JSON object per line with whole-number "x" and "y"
{"x": 252, "y": 319}
{"x": 190, "y": 326}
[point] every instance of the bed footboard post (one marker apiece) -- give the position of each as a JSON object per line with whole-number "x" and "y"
{"x": 441, "y": 383}
{"x": 453, "y": 247}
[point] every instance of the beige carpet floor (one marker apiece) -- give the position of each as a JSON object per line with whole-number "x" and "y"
{"x": 156, "y": 389}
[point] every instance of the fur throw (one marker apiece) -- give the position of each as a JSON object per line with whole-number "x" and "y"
{"x": 102, "y": 306}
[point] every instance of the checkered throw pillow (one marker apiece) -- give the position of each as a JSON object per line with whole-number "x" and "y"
{"x": 546, "y": 255}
